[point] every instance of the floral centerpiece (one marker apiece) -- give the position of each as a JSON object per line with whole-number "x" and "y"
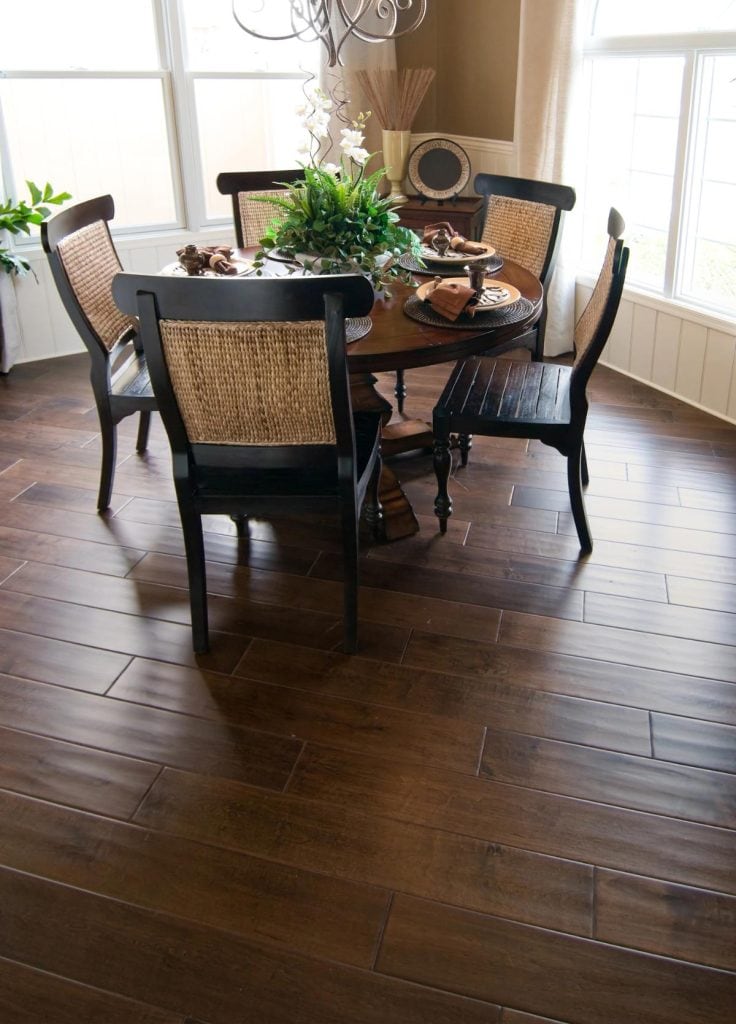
{"x": 334, "y": 220}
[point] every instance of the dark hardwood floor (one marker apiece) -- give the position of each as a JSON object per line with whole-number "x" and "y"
{"x": 517, "y": 805}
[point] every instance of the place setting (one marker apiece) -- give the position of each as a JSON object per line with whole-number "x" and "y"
{"x": 444, "y": 251}
{"x": 463, "y": 302}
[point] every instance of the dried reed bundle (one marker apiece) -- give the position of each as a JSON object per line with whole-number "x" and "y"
{"x": 395, "y": 96}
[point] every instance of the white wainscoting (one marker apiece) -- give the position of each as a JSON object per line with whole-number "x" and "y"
{"x": 681, "y": 352}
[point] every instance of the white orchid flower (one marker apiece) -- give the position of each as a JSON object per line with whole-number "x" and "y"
{"x": 332, "y": 169}
{"x": 359, "y": 155}
{"x": 350, "y": 138}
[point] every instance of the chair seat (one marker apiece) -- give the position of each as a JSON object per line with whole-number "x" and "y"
{"x": 132, "y": 380}
{"x": 504, "y": 391}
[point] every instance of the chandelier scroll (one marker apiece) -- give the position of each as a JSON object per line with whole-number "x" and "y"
{"x": 333, "y": 21}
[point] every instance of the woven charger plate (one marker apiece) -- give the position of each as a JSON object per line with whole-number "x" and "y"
{"x": 415, "y": 308}
{"x": 496, "y": 294}
{"x": 357, "y": 327}
{"x": 409, "y": 262}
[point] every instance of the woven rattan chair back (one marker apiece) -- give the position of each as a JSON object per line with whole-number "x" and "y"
{"x": 252, "y": 218}
{"x": 84, "y": 262}
{"x": 252, "y": 383}
{"x": 520, "y": 231}
{"x": 91, "y": 262}
{"x": 523, "y": 219}
{"x": 235, "y": 383}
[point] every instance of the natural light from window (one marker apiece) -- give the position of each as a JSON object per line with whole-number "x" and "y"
{"x": 660, "y": 142}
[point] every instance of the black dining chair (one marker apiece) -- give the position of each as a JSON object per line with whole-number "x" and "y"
{"x": 522, "y": 220}
{"x": 252, "y": 383}
{"x": 83, "y": 263}
{"x": 252, "y": 218}
{"x": 546, "y": 401}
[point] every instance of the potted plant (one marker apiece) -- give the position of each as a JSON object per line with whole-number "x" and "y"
{"x": 17, "y": 218}
{"x": 334, "y": 220}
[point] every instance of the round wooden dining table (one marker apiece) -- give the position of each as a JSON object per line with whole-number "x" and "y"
{"x": 398, "y": 342}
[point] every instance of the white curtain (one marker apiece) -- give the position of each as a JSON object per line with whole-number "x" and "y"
{"x": 9, "y": 325}
{"x": 550, "y": 60}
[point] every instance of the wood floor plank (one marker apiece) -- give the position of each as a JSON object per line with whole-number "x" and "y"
{"x": 354, "y": 723}
{"x": 518, "y": 1017}
{"x": 223, "y": 548}
{"x": 113, "y": 631}
{"x": 501, "y": 704}
{"x": 716, "y": 501}
{"x": 147, "y": 734}
{"x": 620, "y": 552}
{"x": 720, "y": 597}
{"x": 631, "y": 511}
{"x": 581, "y": 830}
{"x": 490, "y": 673}
{"x": 169, "y": 607}
{"x": 672, "y": 920}
{"x": 693, "y": 742}
{"x": 489, "y": 591}
{"x": 453, "y": 567}
{"x": 8, "y": 566}
{"x": 257, "y": 898}
{"x": 546, "y": 972}
{"x": 28, "y": 996}
{"x": 656, "y": 617}
{"x": 218, "y": 977}
{"x": 625, "y": 780}
{"x": 76, "y": 554}
{"x": 722, "y": 545}
{"x": 318, "y": 592}
{"x": 75, "y": 499}
{"x": 623, "y": 646}
{"x": 56, "y": 661}
{"x": 74, "y": 775}
{"x": 349, "y": 844}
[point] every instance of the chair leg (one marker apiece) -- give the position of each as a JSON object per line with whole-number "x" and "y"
{"x": 574, "y": 483}
{"x": 373, "y": 509}
{"x": 191, "y": 523}
{"x": 585, "y": 476}
{"x": 143, "y": 428}
{"x": 464, "y": 443}
{"x": 350, "y": 585}
{"x": 442, "y": 465}
{"x": 400, "y": 390}
{"x": 109, "y": 435}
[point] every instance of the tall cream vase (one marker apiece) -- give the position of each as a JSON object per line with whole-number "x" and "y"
{"x": 395, "y": 158}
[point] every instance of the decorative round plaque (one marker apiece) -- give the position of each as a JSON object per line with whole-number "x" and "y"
{"x": 438, "y": 168}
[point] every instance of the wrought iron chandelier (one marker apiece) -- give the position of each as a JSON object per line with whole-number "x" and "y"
{"x": 315, "y": 19}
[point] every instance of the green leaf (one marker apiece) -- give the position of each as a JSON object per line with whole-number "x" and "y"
{"x": 35, "y": 191}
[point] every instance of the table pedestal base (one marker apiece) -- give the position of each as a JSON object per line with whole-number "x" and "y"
{"x": 409, "y": 435}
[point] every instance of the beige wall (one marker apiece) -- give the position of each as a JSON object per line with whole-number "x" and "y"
{"x": 473, "y": 46}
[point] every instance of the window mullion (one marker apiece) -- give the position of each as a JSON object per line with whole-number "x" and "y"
{"x": 187, "y": 136}
{"x": 679, "y": 184}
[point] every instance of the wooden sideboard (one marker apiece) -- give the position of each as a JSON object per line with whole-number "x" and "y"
{"x": 465, "y": 214}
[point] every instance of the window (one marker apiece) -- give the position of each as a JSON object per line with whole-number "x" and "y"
{"x": 148, "y": 100}
{"x": 661, "y": 134}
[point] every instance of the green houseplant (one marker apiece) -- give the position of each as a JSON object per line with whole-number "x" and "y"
{"x": 18, "y": 217}
{"x": 334, "y": 220}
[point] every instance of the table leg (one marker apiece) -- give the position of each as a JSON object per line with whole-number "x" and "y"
{"x": 398, "y": 516}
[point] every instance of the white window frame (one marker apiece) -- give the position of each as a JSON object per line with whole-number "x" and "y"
{"x": 691, "y": 47}
{"x": 178, "y": 86}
